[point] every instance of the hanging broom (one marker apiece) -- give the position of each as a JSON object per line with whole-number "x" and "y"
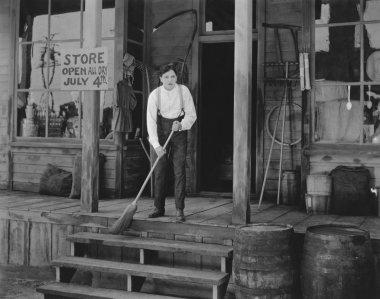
{"x": 126, "y": 218}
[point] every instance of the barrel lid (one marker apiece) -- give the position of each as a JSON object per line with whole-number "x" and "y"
{"x": 263, "y": 227}
{"x": 337, "y": 229}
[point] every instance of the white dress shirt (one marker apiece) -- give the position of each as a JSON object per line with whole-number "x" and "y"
{"x": 170, "y": 108}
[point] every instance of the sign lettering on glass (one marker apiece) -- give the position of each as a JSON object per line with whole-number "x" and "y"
{"x": 84, "y": 69}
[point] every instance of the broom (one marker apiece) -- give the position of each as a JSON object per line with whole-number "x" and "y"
{"x": 126, "y": 218}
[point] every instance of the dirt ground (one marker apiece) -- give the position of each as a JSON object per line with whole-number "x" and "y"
{"x": 21, "y": 282}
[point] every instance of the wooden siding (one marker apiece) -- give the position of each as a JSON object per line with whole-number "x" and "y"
{"x": 28, "y": 164}
{"x": 323, "y": 164}
{"x": 280, "y": 12}
{"x": 136, "y": 168}
{"x": 5, "y": 74}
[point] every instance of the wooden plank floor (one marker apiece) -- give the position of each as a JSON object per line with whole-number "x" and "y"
{"x": 203, "y": 211}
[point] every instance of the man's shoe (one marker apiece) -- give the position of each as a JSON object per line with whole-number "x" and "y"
{"x": 156, "y": 213}
{"x": 180, "y": 216}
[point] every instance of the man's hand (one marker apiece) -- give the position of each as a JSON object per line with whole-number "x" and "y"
{"x": 160, "y": 151}
{"x": 176, "y": 126}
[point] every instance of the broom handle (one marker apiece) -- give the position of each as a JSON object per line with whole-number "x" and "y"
{"x": 151, "y": 170}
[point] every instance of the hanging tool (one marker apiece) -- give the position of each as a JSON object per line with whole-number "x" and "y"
{"x": 302, "y": 71}
{"x": 307, "y": 71}
{"x": 282, "y": 135}
{"x": 284, "y": 98}
{"x": 287, "y": 76}
{"x": 126, "y": 218}
{"x": 144, "y": 149}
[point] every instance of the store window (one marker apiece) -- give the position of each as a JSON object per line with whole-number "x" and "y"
{"x": 46, "y": 27}
{"x": 347, "y": 71}
{"x": 220, "y": 15}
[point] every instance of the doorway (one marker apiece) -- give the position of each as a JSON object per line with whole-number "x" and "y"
{"x": 216, "y": 117}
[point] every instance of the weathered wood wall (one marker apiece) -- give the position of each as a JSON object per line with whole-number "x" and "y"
{"x": 167, "y": 44}
{"x": 284, "y": 12}
{"x": 29, "y": 162}
{"x": 136, "y": 167}
{"x": 35, "y": 239}
{"x": 324, "y": 163}
{"x": 5, "y": 92}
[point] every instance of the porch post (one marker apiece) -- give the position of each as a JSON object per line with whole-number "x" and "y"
{"x": 91, "y": 109}
{"x": 121, "y": 34}
{"x": 242, "y": 112}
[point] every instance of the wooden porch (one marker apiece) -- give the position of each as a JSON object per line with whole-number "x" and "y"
{"x": 204, "y": 213}
{"x": 34, "y": 229}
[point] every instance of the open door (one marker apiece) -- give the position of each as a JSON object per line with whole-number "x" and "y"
{"x": 216, "y": 117}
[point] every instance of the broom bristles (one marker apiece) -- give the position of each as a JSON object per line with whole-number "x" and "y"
{"x": 125, "y": 220}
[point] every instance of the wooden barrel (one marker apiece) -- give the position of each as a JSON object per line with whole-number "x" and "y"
{"x": 337, "y": 262}
{"x": 290, "y": 187}
{"x": 263, "y": 265}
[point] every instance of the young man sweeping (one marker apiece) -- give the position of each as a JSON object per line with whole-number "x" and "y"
{"x": 170, "y": 108}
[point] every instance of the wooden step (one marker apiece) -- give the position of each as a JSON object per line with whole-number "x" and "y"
{"x": 152, "y": 244}
{"x": 135, "y": 272}
{"x": 67, "y": 290}
{"x": 174, "y": 246}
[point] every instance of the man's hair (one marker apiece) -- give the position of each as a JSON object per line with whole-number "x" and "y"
{"x": 166, "y": 68}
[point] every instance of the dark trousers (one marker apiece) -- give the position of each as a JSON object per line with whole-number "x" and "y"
{"x": 175, "y": 153}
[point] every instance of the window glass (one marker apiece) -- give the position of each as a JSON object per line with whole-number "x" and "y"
{"x": 337, "y": 56}
{"x": 33, "y": 65}
{"x": 25, "y": 125}
{"x": 220, "y": 15}
{"x": 136, "y": 20}
{"x": 110, "y": 45}
{"x": 337, "y": 11}
{"x": 108, "y": 22}
{"x": 338, "y": 113}
{"x": 372, "y": 52}
{"x": 31, "y": 113}
{"x": 371, "y": 114}
{"x": 43, "y": 110}
{"x": 64, "y": 13}
{"x": 64, "y": 120}
{"x": 34, "y": 19}
{"x": 55, "y": 60}
{"x": 135, "y": 51}
{"x": 106, "y": 113}
{"x": 347, "y": 112}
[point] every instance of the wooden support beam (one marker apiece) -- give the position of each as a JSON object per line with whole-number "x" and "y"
{"x": 91, "y": 108}
{"x": 308, "y": 11}
{"x": 72, "y": 248}
{"x": 142, "y": 256}
{"x": 242, "y": 112}
{"x": 223, "y": 265}
{"x": 121, "y": 37}
{"x": 260, "y": 95}
{"x": 57, "y": 274}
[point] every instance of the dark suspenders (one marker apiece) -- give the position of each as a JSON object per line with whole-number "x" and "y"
{"x": 180, "y": 97}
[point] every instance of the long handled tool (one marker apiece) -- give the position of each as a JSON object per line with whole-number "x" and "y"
{"x": 126, "y": 218}
{"x": 271, "y": 148}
